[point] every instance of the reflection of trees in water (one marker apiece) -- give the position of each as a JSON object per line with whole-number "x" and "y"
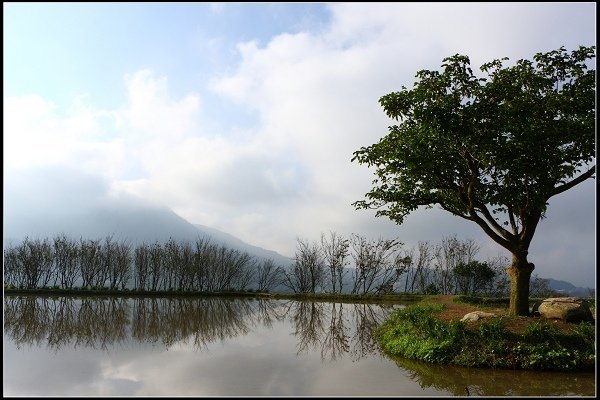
{"x": 200, "y": 320}
{"x": 99, "y": 322}
{"x": 335, "y": 342}
{"x": 308, "y": 324}
{"x": 495, "y": 382}
{"x": 61, "y": 321}
{"x": 267, "y": 312}
{"x": 366, "y": 320}
{"x": 64, "y": 317}
{"x": 336, "y": 328}
{"x": 24, "y": 320}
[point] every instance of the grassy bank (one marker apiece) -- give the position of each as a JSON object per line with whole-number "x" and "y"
{"x": 420, "y": 332}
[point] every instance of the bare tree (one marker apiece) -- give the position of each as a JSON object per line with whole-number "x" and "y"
{"x": 210, "y": 259}
{"x": 228, "y": 264}
{"x": 120, "y": 271}
{"x": 540, "y": 287}
{"x": 107, "y": 255}
{"x": 142, "y": 266}
{"x": 335, "y": 252}
{"x": 422, "y": 263}
{"x": 187, "y": 266}
{"x": 401, "y": 265}
{"x": 172, "y": 265}
{"x": 243, "y": 269}
{"x": 66, "y": 259}
{"x": 109, "y": 270}
{"x": 202, "y": 256}
{"x": 375, "y": 269}
{"x": 156, "y": 267}
{"x": 90, "y": 261}
{"x": 501, "y": 287}
{"x": 34, "y": 259}
{"x": 450, "y": 253}
{"x": 308, "y": 271}
{"x": 267, "y": 275}
{"x": 14, "y": 273}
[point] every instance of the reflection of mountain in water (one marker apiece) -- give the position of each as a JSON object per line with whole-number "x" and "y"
{"x": 101, "y": 322}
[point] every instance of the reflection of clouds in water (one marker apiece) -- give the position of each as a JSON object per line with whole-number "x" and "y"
{"x": 116, "y": 378}
{"x": 244, "y": 357}
{"x": 222, "y": 368}
{"x": 42, "y": 372}
{"x": 116, "y": 386}
{"x": 249, "y": 347}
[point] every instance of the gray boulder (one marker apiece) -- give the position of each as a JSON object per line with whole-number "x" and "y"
{"x": 477, "y": 315}
{"x": 567, "y": 309}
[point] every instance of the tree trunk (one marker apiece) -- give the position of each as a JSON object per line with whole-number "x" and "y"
{"x": 520, "y": 273}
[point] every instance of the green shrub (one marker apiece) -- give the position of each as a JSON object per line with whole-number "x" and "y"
{"x": 540, "y": 331}
{"x": 493, "y": 329}
{"x": 416, "y": 332}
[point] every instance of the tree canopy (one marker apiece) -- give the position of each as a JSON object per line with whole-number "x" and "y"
{"x": 492, "y": 147}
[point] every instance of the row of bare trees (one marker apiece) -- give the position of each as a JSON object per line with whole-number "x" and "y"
{"x": 335, "y": 264}
{"x": 203, "y": 266}
{"x": 359, "y": 265}
{"x": 67, "y": 263}
{"x": 325, "y": 265}
{"x": 64, "y": 262}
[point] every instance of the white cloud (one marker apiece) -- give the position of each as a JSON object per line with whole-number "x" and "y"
{"x": 316, "y": 97}
{"x": 151, "y": 111}
{"x": 36, "y": 133}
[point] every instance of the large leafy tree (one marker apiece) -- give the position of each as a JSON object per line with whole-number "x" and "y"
{"x": 491, "y": 148}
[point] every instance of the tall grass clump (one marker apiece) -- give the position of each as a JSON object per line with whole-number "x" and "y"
{"x": 545, "y": 347}
{"x": 414, "y": 332}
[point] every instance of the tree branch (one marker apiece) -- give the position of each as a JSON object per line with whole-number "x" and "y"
{"x": 530, "y": 223}
{"x": 576, "y": 181}
{"x": 504, "y": 242}
{"x": 511, "y": 217}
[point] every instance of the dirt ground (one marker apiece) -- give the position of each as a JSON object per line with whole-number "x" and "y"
{"x": 455, "y": 311}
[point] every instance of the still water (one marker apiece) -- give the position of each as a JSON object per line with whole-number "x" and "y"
{"x": 67, "y": 346}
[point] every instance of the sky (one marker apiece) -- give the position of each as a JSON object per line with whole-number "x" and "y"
{"x": 244, "y": 116}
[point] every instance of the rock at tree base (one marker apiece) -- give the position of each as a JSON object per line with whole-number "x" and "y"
{"x": 567, "y": 309}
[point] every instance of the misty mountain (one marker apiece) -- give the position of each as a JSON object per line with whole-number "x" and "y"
{"x": 567, "y": 288}
{"x": 81, "y": 206}
{"x": 138, "y": 223}
{"x": 236, "y": 243}
{"x": 130, "y": 221}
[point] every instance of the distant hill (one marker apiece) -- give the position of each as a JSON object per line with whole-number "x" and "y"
{"x": 132, "y": 222}
{"x": 568, "y": 288}
{"x": 236, "y": 243}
